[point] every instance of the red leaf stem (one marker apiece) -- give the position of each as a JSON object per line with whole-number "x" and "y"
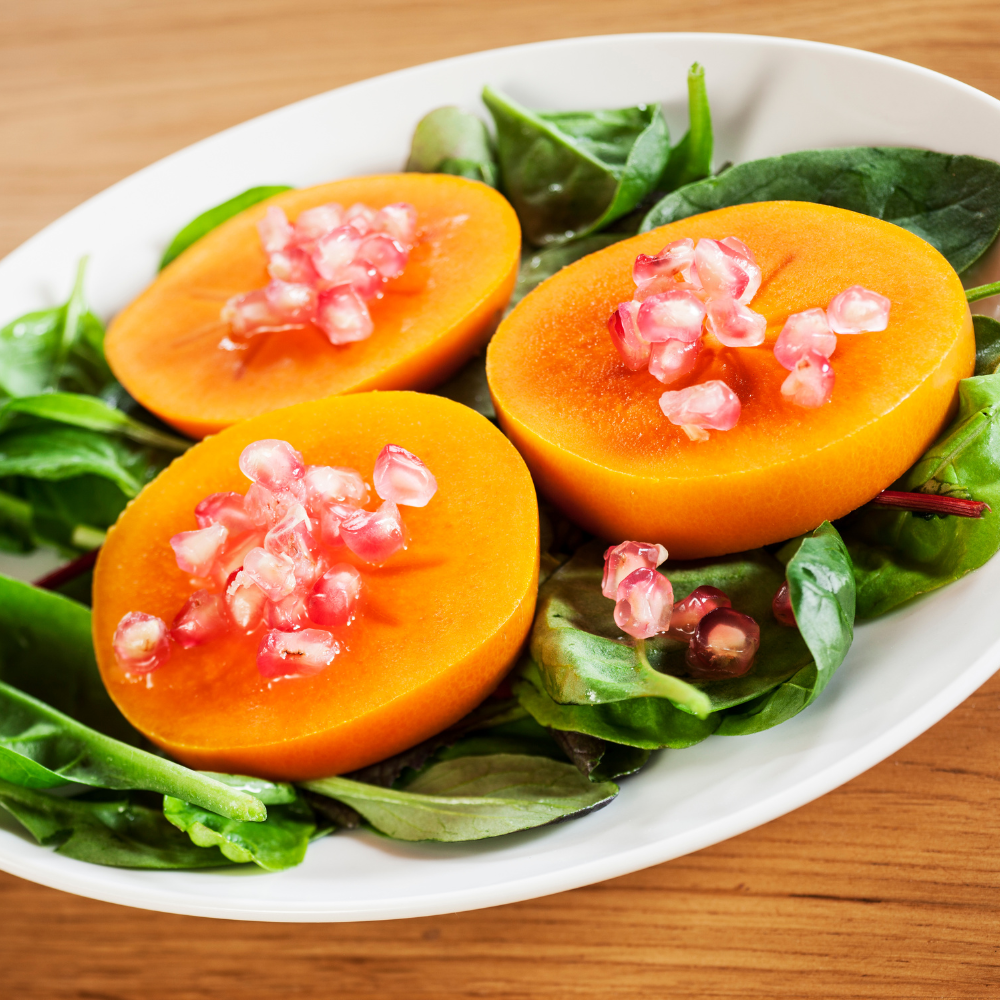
{"x": 929, "y": 503}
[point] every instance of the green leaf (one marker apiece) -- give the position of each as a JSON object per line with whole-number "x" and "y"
{"x": 570, "y": 173}
{"x": 897, "y": 554}
{"x": 598, "y": 759}
{"x": 214, "y": 217}
{"x": 472, "y": 798}
{"x": 121, "y": 832}
{"x": 278, "y": 843}
{"x": 451, "y": 141}
{"x": 537, "y": 265}
{"x": 952, "y": 202}
{"x": 62, "y": 512}
{"x": 271, "y": 793}
{"x": 987, "y": 332}
{"x": 28, "y": 347}
{"x": 691, "y": 159}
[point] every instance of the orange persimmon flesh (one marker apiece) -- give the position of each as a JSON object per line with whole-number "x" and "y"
{"x": 439, "y": 624}
{"x": 164, "y": 347}
{"x": 599, "y": 447}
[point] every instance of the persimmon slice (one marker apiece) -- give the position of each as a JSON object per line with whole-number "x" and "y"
{"x": 440, "y": 622}
{"x": 599, "y": 447}
{"x": 164, "y": 347}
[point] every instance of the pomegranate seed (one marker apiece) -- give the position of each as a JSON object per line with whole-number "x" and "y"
{"x": 724, "y": 645}
{"x": 224, "y": 508}
{"x": 675, "y": 258}
{"x": 315, "y": 223}
{"x": 672, "y": 315}
{"x": 802, "y": 332}
{"x": 625, "y": 558}
{"x": 858, "y": 310}
{"x": 673, "y": 359}
{"x": 734, "y": 324}
{"x": 275, "y": 230}
{"x": 624, "y": 330}
{"x": 202, "y": 618}
{"x": 287, "y": 615}
{"x": 399, "y": 221}
{"x": 690, "y": 611}
{"x": 334, "y": 598}
{"x": 781, "y": 606}
{"x": 293, "y": 265}
{"x": 196, "y": 551}
{"x": 384, "y": 253}
{"x": 251, "y": 313}
{"x": 267, "y": 508}
{"x": 810, "y": 382}
{"x": 273, "y": 464}
{"x": 294, "y": 536}
{"x": 401, "y": 477}
{"x": 745, "y": 260}
{"x": 141, "y": 643}
{"x": 645, "y": 600}
{"x": 361, "y": 217}
{"x": 335, "y": 251}
{"x": 330, "y": 519}
{"x": 374, "y": 536}
{"x": 244, "y": 601}
{"x": 274, "y": 574}
{"x": 363, "y": 278}
{"x": 709, "y": 404}
{"x": 233, "y": 555}
{"x": 343, "y": 316}
{"x": 718, "y": 270}
{"x": 327, "y": 484}
{"x": 294, "y": 302}
{"x": 295, "y": 654}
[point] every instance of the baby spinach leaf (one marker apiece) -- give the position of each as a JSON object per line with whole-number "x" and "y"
{"x": 120, "y": 832}
{"x": 279, "y": 842}
{"x": 471, "y": 798}
{"x": 451, "y": 141}
{"x": 952, "y": 202}
{"x": 987, "y": 332}
{"x": 214, "y": 217}
{"x": 691, "y": 159}
{"x": 897, "y": 554}
{"x": 271, "y": 793}
{"x": 570, "y": 173}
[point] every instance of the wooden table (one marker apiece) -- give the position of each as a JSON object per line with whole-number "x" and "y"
{"x": 887, "y": 887}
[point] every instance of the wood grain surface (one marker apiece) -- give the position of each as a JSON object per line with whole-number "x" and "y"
{"x": 887, "y": 887}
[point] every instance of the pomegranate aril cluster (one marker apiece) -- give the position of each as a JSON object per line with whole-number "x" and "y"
{"x": 273, "y": 559}
{"x": 721, "y": 642}
{"x": 324, "y": 270}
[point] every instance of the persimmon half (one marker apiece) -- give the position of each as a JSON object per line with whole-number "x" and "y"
{"x": 164, "y": 347}
{"x": 438, "y": 626}
{"x": 600, "y": 448}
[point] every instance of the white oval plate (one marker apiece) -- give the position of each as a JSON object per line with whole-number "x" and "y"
{"x": 904, "y": 672}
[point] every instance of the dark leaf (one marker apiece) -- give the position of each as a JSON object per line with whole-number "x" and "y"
{"x": 987, "y": 345}
{"x": 598, "y": 759}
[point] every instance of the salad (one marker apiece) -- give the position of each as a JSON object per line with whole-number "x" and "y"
{"x": 585, "y": 706}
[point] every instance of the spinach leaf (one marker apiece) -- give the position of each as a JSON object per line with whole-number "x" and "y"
{"x": 570, "y": 173}
{"x": 279, "y": 842}
{"x": 121, "y": 832}
{"x": 471, "y": 798}
{"x": 952, "y": 202}
{"x": 451, "y": 141}
{"x": 691, "y": 159}
{"x": 16, "y": 524}
{"x": 897, "y": 554}
{"x": 214, "y": 217}
{"x": 987, "y": 332}
{"x": 271, "y": 793}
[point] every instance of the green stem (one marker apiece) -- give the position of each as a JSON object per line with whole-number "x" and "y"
{"x": 982, "y": 292}
{"x": 685, "y": 696}
{"x": 144, "y": 434}
{"x": 75, "y": 308}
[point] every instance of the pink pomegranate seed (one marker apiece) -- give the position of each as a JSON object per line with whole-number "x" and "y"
{"x": 287, "y": 615}
{"x": 781, "y": 607}
{"x": 690, "y": 611}
{"x": 363, "y": 278}
{"x": 314, "y": 223}
{"x": 384, "y": 253}
{"x": 275, "y": 230}
{"x": 810, "y": 382}
{"x": 674, "y": 258}
{"x": 266, "y": 507}
{"x": 361, "y": 217}
{"x": 374, "y": 536}
{"x": 196, "y": 551}
{"x": 274, "y": 574}
{"x": 141, "y": 643}
{"x": 858, "y": 310}
{"x": 294, "y": 536}
{"x": 334, "y": 598}
{"x": 203, "y": 617}
{"x": 644, "y": 603}
{"x": 293, "y": 265}
{"x": 401, "y": 477}
{"x": 244, "y": 601}
{"x": 296, "y": 303}
{"x": 233, "y": 555}
{"x": 399, "y": 221}
{"x": 624, "y": 330}
{"x": 224, "y": 508}
{"x": 343, "y": 316}
{"x": 326, "y": 484}
{"x": 331, "y": 517}
{"x": 706, "y": 405}
{"x": 626, "y": 557}
{"x": 295, "y": 654}
{"x": 802, "y": 332}
{"x": 272, "y": 463}
{"x": 335, "y": 251}
{"x": 734, "y": 324}
{"x": 251, "y": 314}
{"x": 724, "y": 645}
{"x": 674, "y": 315}
{"x": 726, "y": 268}
{"x": 745, "y": 259}
{"x": 673, "y": 359}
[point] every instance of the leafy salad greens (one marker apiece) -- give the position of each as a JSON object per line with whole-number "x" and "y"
{"x": 581, "y": 710}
